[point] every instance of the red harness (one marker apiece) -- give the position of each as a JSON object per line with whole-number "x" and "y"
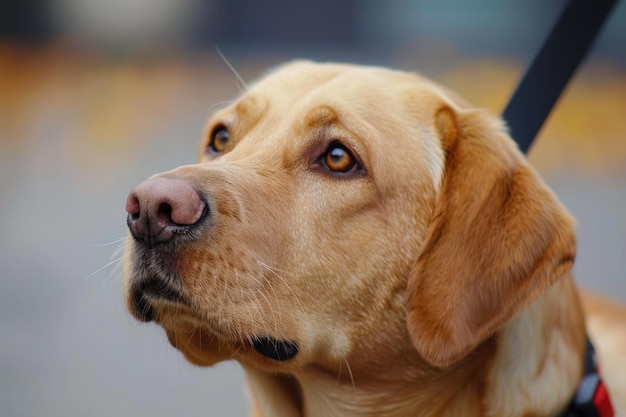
{"x": 591, "y": 398}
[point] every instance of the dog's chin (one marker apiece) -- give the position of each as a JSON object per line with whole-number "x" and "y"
{"x": 203, "y": 344}
{"x": 199, "y": 346}
{"x": 204, "y": 347}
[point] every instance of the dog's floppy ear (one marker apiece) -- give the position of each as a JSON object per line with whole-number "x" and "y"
{"x": 498, "y": 238}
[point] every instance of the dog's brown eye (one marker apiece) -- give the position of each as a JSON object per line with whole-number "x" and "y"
{"x": 219, "y": 139}
{"x": 339, "y": 159}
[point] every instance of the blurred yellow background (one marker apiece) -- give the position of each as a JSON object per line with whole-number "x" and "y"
{"x": 96, "y": 96}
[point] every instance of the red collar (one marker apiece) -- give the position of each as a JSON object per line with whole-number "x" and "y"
{"x": 591, "y": 398}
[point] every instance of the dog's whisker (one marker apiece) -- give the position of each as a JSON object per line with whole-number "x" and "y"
{"x": 113, "y": 242}
{"x": 270, "y": 284}
{"x": 120, "y": 246}
{"x": 271, "y": 268}
{"x": 241, "y": 335}
{"x": 272, "y": 288}
{"x": 104, "y": 267}
{"x": 114, "y": 259}
{"x": 177, "y": 307}
{"x": 259, "y": 315}
{"x": 190, "y": 335}
{"x": 338, "y": 380}
{"x": 114, "y": 280}
{"x": 220, "y": 103}
{"x": 242, "y": 84}
{"x": 351, "y": 375}
{"x": 116, "y": 263}
{"x": 273, "y": 271}
{"x": 267, "y": 301}
{"x": 194, "y": 329}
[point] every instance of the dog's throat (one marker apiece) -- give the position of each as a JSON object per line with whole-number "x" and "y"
{"x": 280, "y": 350}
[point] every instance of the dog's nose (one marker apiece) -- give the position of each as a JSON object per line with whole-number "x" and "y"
{"x": 160, "y": 208}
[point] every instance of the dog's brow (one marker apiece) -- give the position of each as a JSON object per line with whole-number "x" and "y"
{"x": 249, "y": 111}
{"x": 247, "y": 106}
{"x": 321, "y": 116}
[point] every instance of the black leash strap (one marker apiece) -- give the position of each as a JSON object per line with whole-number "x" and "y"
{"x": 552, "y": 68}
{"x": 526, "y": 112}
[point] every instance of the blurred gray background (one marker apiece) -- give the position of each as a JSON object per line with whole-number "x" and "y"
{"x": 97, "y": 95}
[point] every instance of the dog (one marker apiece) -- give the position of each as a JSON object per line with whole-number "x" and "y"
{"x": 364, "y": 242}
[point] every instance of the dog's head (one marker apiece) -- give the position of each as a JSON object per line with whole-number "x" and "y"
{"x": 343, "y": 213}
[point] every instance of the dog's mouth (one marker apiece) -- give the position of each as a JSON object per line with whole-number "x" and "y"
{"x": 149, "y": 291}
{"x": 154, "y": 294}
{"x": 280, "y": 350}
{"x": 154, "y": 290}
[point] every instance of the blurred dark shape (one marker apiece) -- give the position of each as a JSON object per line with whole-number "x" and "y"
{"x": 314, "y": 29}
{"x": 25, "y": 20}
{"x": 286, "y": 22}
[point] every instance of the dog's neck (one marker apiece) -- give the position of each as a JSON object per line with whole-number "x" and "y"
{"x": 530, "y": 368}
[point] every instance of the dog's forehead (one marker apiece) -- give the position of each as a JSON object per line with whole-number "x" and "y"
{"x": 305, "y": 91}
{"x": 389, "y": 114}
{"x": 301, "y": 78}
{"x": 298, "y": 77}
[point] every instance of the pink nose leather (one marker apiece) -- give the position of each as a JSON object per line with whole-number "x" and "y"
{"x": 160, "y": 207}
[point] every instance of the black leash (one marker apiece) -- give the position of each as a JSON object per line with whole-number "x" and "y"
{"x": 540, "y": 88}
{"x": 552, "y": 68}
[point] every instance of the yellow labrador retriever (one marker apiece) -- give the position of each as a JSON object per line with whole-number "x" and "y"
{"x": 366, "y": 243}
